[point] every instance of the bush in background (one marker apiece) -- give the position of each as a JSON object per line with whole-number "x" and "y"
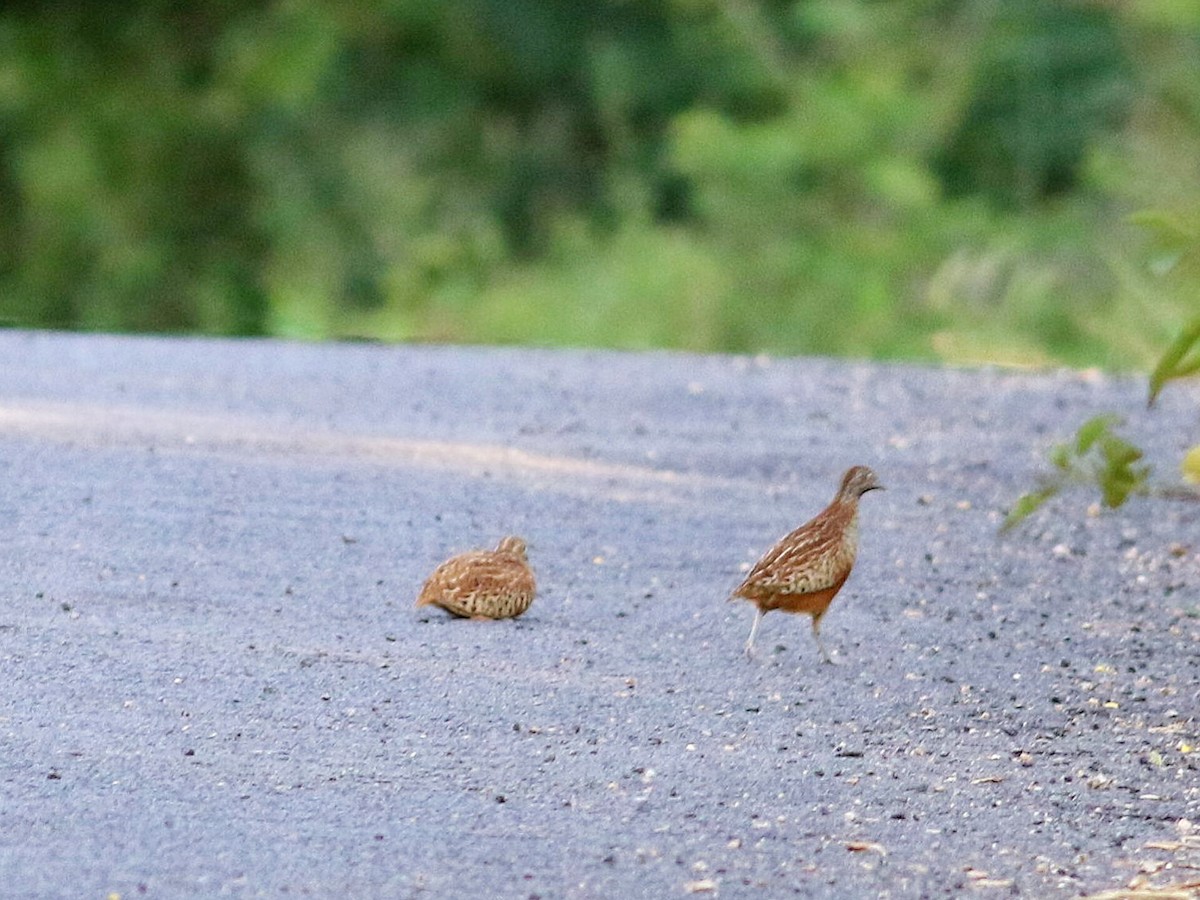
{"x": 923, "y": 178}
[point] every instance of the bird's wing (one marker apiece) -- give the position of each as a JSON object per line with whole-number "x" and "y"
{"x": 476, "y": 574}
{"x": 803, "y": 561}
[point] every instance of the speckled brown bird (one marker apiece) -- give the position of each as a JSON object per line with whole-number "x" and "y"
{"x": 805, "y": 570}
{"x": 483, "y": 584}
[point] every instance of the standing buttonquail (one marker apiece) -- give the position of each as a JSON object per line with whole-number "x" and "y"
{"x": 483, "y": 584}
{"x": 805, "y": 570}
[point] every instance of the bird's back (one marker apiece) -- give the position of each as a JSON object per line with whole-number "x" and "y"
{"x": 481, "y": 583}
{"x": 815, "y": 557}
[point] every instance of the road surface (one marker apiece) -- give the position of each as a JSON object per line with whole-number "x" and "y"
{"x": 216, "y": 683}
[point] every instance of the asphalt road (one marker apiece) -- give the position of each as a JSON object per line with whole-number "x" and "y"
{"x": 216, "y": 683}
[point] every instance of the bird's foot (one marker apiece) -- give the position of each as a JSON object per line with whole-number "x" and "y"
{"x": 829, "y": 658}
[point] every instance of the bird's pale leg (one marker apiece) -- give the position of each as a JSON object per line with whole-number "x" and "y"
{"x": 816, "y": 627}
{"x": 753, "y": 631}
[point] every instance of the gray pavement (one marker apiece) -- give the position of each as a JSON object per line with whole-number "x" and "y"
{"x": 216, "y": 683}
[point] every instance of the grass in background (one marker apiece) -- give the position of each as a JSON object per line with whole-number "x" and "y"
{"x": 813, "y": 177}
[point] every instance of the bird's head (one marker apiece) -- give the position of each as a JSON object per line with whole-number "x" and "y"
{"x": 512, "y": 544}
{"x": 857, "y": 481}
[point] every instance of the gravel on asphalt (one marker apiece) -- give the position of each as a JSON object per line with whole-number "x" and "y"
{"x": 217, "y": 684}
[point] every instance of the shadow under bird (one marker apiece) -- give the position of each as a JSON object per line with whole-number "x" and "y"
{"x": 804, "y": 571}
{"x": 483, "y": 584}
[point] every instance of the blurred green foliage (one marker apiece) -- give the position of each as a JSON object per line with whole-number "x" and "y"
{"x": 1178, "y": 242}
{"x": 920, "y": 178}
{"x": 1098, "y": 456}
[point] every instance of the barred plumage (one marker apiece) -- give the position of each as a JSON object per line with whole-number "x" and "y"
{"x": 804, "y": 571}
{"x": 483, "y": 584}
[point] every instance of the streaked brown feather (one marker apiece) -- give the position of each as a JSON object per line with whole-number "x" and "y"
{"x": 493, "y": 584}
{"x": 812, "y": 558}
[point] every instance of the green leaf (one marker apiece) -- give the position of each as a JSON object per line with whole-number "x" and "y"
{"x": 1026, "y": 505}
{"x": 1174, "y": 362}
{"x": 1113, "y": 492}
{"x": 1118, "y": 452}
{"x": 1092, "y": 430}
{"x": 1117, "y": 482}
